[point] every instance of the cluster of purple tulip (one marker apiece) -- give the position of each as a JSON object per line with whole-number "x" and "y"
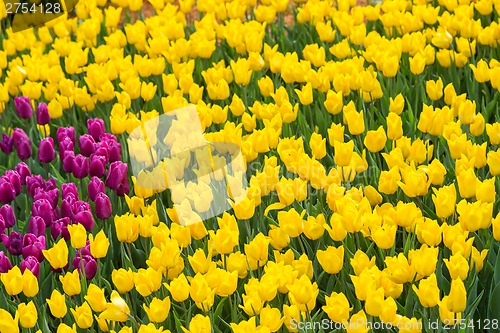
{"x": 98, "y": 161}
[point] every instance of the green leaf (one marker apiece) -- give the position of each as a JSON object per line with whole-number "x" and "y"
{"x": 495, "y": 304}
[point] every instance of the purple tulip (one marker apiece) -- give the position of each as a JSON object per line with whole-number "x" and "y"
{"x": 33, "y": 246}
{"x": 96, "y": 128}
{"x": 87, "y": 263}
{"x": 114, "y": 151}
{"x": 42, "y": 114}
{"x": 85, "y": 218}
{"x": 23, "y": 149}
{"x": 5, "y": 264}
{"x": 60, "y": 227}
{"x": 51, "y": 195}
{"x": 33, "y": 182}
{"x": 24, "y": 172}
{"x": 87, "y": 143}
{"x": 15, "y": 180}
{"x": 36, "y": 226}
{"x": 2, "y": 225}
{"x": 7, "y": 190}
{"x": 84, "y": 251}
{"x": 43, "y": 208}
{"x": 23, "y": 107}
{"x": 67, "y": 205}
{"x": 31, "y": 263}
{"x": 80, "y": 166}
{"x": 101, "y": 149}
{"x": 103, "y": 208}
{"x": 95, "y": 187}
{"x": 97, "y": 165}
{"x": 68, "y": 159}
{"x": 69, "y": 188}
{"x": 19, "y": 134}
{"x": 13, "y": 243}
{"x": 50, "y": 184}
{"x": 65, "y": 132}
{"x": 6, "y": 144}
{"x": 46, "y": 151}
{"x": 8, "y": 215}
{"x": 65, "y": 145}
{"x": 117, "y": 175}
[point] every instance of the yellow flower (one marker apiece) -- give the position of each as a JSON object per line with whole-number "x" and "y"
{"x": 337, "y": 307}
{"x": 7, "y": 323}
{"x": 95, "y": 297}
{"x": 179, "y": 288}
{"x": 306, "y": 94}
{"x": 57, "y": 256}
{"x": 375, "y": 140}
{"x": 12, "y": 281}
{"x": 71, "y": 283}
{"x": 57, "y": 304}
{"x": 117, "y": 309}
{"x": 28, "y": 314}
{"x": 30, "y": 284}
{"x": 99, "y": 245}
{"x": 434, "y": 89}
{"x": 457, "y": 298}
{"x": 158, "y": 309}
{"x": 78, "y": 235}
{"x": 331, "y": 259}
{"x": 123, "y": 280}
{"x": 83, "y": 315}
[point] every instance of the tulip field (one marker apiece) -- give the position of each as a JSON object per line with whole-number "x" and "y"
{"x": 250, "y": 166}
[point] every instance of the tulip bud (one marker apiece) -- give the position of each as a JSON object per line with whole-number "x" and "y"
{"x": 23, "y": 107}
{"x": 87, "y": 144}
{"x": 114, "y": 151}
{"x": 97, "y": 165}
{"x": 6, "y": 144}
{"x": 36, "y": 226}
{"x": 13, "y": 243}
{"x": 69, "y": 189}
{"x": 69, "y": 157}
{"x": 7, "y": 191}
{"x": 46, "y": 152}
{"x": 103, "y": 207}
{"x": 42, "y": 114}
{"x": 23, "y": 149}
{"x": 32, "y": 264}
{"x": 24, "y": 172}
{"x": 95, "y": 187}
{"x": 96, "y": 128}
{"x": 87, "y": 263}
{"x": 80, "y": 166}
{"x": 5, "y": 264}
{"x": 66, "y": 145}
{"x": 33, "y": 246}
{"x": 7, "y": 213}
{"x": 43, "y": 208}
{"x": 85, "y": 218}
{"x": 65, "y": 132}
{"x": 117, "y": 175}
{"x": 60, "y": 227}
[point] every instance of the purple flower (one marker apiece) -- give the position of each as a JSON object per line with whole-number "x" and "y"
{"x": 2, "y": 225}
{"x": 103, "y": 207}
{"x": 114, "y": 151}
{"x": 95, "y": 187}
{"x": 51, "y": 195}
{"x": 65, "y": 132}
{"x": 7, "y": 190}
{"x": 31, "y": 263}
{"x": 97, "y": 165}
{"x": 13, "y": 243}
{"x": 23, "y": 107}
{"x": 46, "y": 151}
{"x": 69, "y": 188}
{"x": 8, "y": 215}
{"x": 15, "y": 179}
{"x": 117, "y": 175}
{"x": 23, "y": 149}
{"x": 67, "y": 205}
{"x": 42, "y": 114}
{"x": 43, "y": 208}
{"x": 84, "y": 217}
{"x": 96, "y": 128}
{"x": 36, "y": 226}
{"x": 66, "y": 145}
{"x": 5, "y": 264}
{"x": 87, "y": 143}
{"x": 19, "y": 134}
{"x": 84, "y": 251}
{"x": 33, "y": 246}
{"x": 33, "y": 182}
{"x": 87, "y": 264}
{"x": 69, "y": 157}
{"x": 6, "y": 144}
{"x": 24, "y": 172}
{"x": 80, "y": 166}
{"x": 60, "y": 227}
